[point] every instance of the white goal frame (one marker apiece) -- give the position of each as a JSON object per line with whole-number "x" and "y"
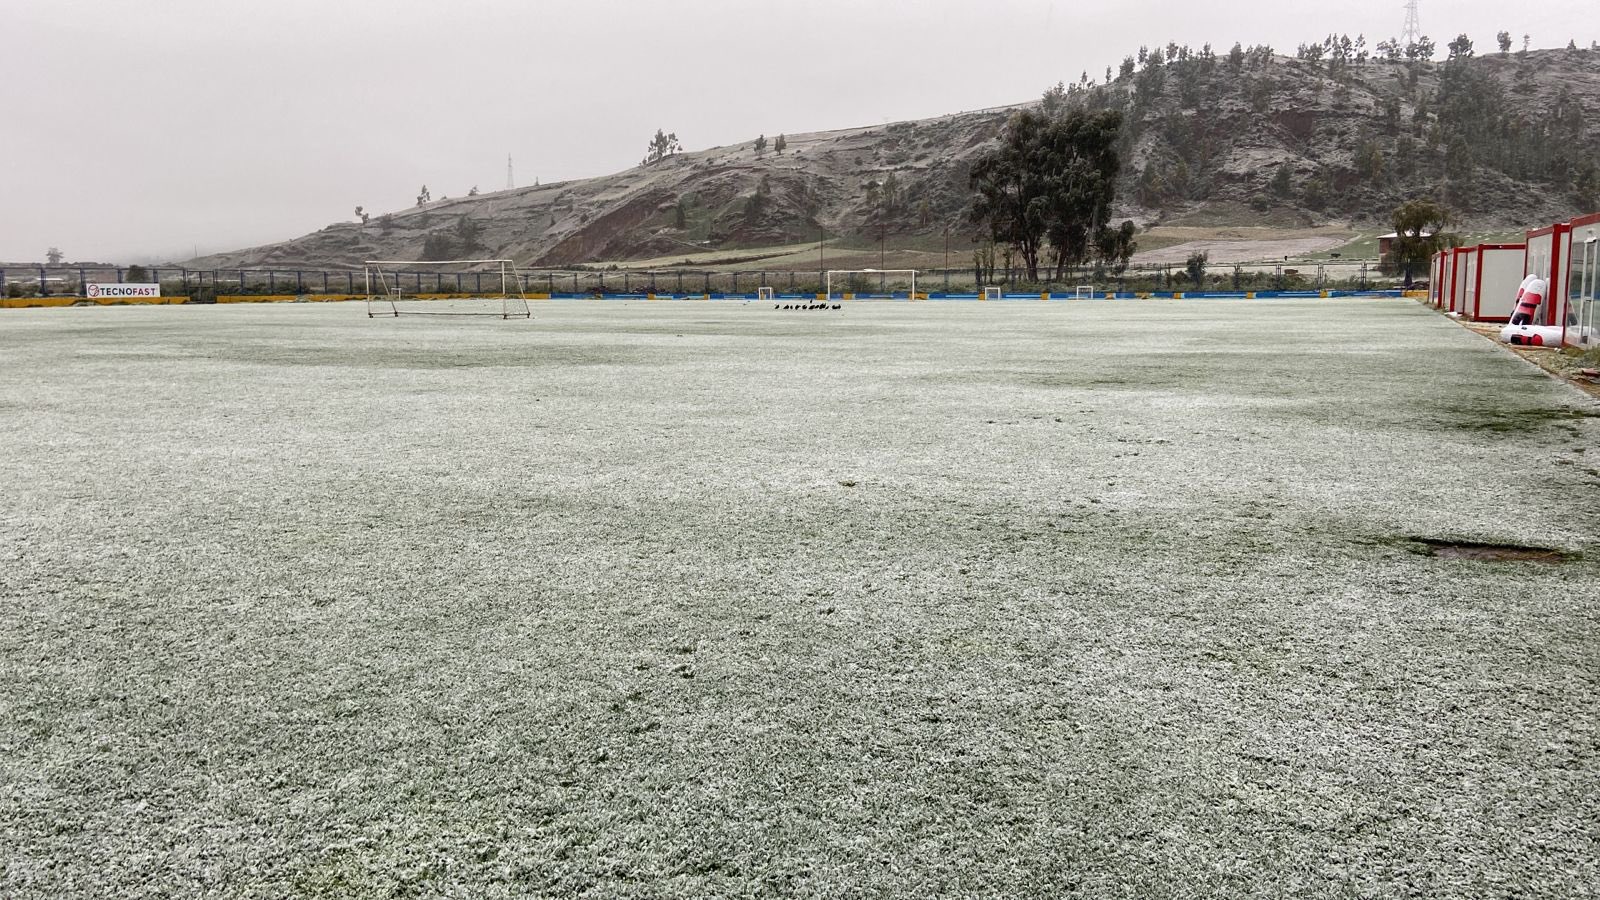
{"x": 766, "y": 293}
{"x": 994, "y": 293}
{"x": 1083, "y": 292}
{"x": 513, "y": 300}
{"x": 827, "y": 295}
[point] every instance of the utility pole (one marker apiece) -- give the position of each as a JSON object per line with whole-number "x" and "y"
{"x": 510, "y": 182}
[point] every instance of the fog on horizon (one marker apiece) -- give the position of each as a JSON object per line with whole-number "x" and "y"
{"x": 149, "y": 132}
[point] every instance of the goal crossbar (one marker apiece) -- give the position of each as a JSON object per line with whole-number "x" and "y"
{"x": 884, "y": 272}
{"x": 385, "y": 288}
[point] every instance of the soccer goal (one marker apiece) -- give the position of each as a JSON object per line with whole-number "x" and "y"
{"x": 765, "y": 293}
{"x": 844, "y": 275}
{"x": 475, "y": 287}
{"x": 994, "y": 293}
{"x": 1083, "y": 292}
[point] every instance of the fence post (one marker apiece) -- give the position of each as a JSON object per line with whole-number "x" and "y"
{"x": 350, "y": 282}
{"x": 708, "y": 284}
{"x": 680, "y": 281}
{"x": 44, "y": 286}
{"x": 735, "y": 283}
{"x": 2, "y": 282}
{"x": 119, "y": 276}
{"x": 83, "y": 282}
{"x": 626, "y": 285}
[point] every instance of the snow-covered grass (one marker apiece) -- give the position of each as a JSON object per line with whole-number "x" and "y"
{"x": 701, "y": 599}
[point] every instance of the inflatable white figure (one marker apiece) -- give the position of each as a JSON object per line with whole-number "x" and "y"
{"x": 1522, "y": 331}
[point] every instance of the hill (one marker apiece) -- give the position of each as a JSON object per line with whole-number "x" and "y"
{"x": 1249, "y": 138}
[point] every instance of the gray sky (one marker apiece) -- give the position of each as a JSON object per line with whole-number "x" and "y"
{"x": 150, "y": 129}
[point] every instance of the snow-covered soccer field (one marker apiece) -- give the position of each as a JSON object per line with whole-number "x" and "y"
{"x": 707, "y": 599}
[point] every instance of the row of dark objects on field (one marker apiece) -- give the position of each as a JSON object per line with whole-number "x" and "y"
{"x": 808, "y": 306}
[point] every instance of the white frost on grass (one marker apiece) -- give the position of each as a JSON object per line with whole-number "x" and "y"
{"x": 682, "y": 600}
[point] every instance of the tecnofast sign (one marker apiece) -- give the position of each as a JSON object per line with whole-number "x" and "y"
{"x": 95, "y": 291}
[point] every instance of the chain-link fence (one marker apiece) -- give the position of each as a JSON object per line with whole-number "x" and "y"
{"x": 202, "y": 284}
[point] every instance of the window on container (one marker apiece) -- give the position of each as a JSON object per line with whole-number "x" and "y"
{"x": 1586, "y": 289}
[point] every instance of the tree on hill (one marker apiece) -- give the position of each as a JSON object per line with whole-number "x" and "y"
{"x": 1116, "y": 246}
{"x": 756, "y": 203}
{"x": 1504, "y": 40}
{"x": 761, "y": 145}
{"x": 1195, "y": 268}
{"x": 1419, "y": 227}
{"x": 1050, "y": 179}
{"x": 1281, "y": 185}
{"x": 660, "y": 147}
{"x": 423, "y": 196}
{"x": 1460, "y": 48}
{"x": 361, "y": 213}
{"x": 779, "y": 145}
{"x": 437, "y": 246}
{"x": 54, "y": 256}
{"x": 468, "y": 232}
{"x": 1055, "y": 99}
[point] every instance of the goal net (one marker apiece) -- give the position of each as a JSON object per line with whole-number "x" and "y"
{"x": 446, "y": 287}
{"x": 882, "y": 282}
{"x": 1083, "y": 292}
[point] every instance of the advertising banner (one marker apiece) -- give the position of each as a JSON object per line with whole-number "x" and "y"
{"x": 101, "y": 291}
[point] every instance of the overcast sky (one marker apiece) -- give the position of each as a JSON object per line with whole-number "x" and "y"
{"x": 158, "y": 127}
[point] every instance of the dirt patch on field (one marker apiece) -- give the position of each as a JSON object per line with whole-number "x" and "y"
{"x": 1479, "y": 552}
{"x": 1227, "y": 252}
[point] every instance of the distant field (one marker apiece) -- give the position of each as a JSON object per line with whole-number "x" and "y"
{"x": 1161, "y": 245}
{"x": 706, "y": 599}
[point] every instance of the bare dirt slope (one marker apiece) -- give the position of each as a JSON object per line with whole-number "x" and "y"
{"x": 1277, "y": 143}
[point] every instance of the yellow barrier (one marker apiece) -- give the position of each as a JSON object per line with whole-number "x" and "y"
{"x": 57, "y": 302}
{"x": 37, "y": 302}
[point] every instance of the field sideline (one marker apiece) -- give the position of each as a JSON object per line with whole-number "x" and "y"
{"x": 689, "y": 600}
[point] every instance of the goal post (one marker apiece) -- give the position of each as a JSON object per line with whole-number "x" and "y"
{"x": 765, "y": 293}
{"x": 844, "y": 273}
{"x": 1083, "y": 292}
{"x": 399, "y": 288}
{"x": 994, "y": 293}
